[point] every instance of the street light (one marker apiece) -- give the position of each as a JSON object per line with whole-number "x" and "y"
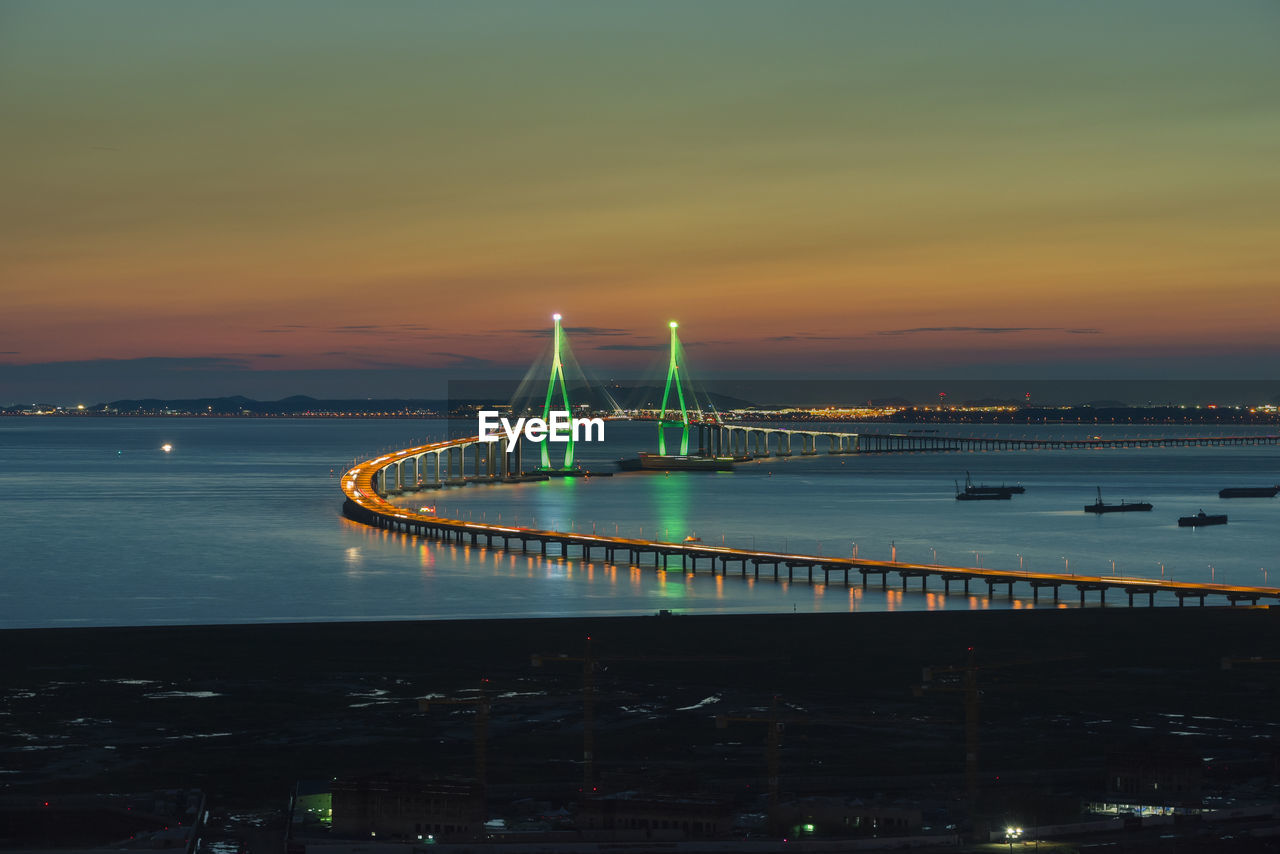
{"x": 1263, "y": 570}
{"x": 1012, "y": 835}
{"x": 1066, "y": 565}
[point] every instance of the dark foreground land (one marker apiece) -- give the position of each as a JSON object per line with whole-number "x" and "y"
{"x": 242, "y": 712}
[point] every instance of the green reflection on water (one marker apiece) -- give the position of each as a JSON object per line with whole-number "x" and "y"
{"x": 670, "y": 496}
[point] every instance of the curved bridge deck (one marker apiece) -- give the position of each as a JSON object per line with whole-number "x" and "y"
{"x": 365, "y": 504}
{"x": 760, "y": 440}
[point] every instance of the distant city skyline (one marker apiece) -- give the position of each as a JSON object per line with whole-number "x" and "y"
{"x": 347, "y": 200}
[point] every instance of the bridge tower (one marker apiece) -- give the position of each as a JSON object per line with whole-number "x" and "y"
{"x": 557, "y": 380}
{"x": 677, "y": 376}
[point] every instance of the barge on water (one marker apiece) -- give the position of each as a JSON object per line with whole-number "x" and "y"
{"x": 1122, "y": 507}
{"x": 1249, "y": 492}
{"x": 1201, "y": 519}
{"x": 675, "y": 462}
{"x": 966, "y": 495}
{"x": 975, "y": 489}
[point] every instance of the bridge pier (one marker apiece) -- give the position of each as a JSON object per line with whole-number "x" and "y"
{"x": 993, "y": 582}
{"x": 1102, "y": 592}
{"x": 827, "y": 569}
{"x": 1035, "y": 590}
{"x": 905, "y": 574}
{"x": 884, "y": 576}
{"x": 1151, "y": 596}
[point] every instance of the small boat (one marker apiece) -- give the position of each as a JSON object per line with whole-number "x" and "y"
{"x": 1122, "y": 507}
{"x": 1249, "y": 492}
{"x": 982, "y": 496}
{"x": 971, "y": 488}
{"x": 1201, "y": 519}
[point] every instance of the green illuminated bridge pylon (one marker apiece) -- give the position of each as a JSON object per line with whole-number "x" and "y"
{"x": 556, "y": 380}
{"x": 677, "y": 376}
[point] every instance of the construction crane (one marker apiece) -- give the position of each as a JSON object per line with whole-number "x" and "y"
{"x": 773, "y": 750}
{"x": 588, "y": 709}
{"x": 482, "y": 703}
{"x": 968, "y": 686}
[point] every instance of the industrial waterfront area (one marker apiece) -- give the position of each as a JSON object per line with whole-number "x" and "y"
{"x": 862, "y": 722}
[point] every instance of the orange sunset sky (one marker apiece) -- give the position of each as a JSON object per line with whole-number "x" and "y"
{"x": 340, "y": 198}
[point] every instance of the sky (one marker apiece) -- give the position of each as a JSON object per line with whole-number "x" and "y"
{"x": 369, "y": 199}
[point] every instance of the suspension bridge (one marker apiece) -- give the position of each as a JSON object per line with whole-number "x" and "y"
{"x": 468, "y": 460}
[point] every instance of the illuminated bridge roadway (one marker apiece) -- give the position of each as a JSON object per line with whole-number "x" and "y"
{"x": 764, "y": 441}
{"x": 365, "y": 503}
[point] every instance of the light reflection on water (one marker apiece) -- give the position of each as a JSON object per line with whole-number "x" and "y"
{"x": 241, "y": 523}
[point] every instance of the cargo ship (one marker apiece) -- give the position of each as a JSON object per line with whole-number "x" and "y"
{"x": 1249, "y": 492}
{"x": 675, "y": 462}
{"x": 1122, "y": 507}
{"x": 1201, "y": 519}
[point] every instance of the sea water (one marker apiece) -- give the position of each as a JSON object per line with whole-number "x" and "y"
{"x": 241, "y": 522}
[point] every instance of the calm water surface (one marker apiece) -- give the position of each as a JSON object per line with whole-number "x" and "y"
{"x": 241, "y": 523}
